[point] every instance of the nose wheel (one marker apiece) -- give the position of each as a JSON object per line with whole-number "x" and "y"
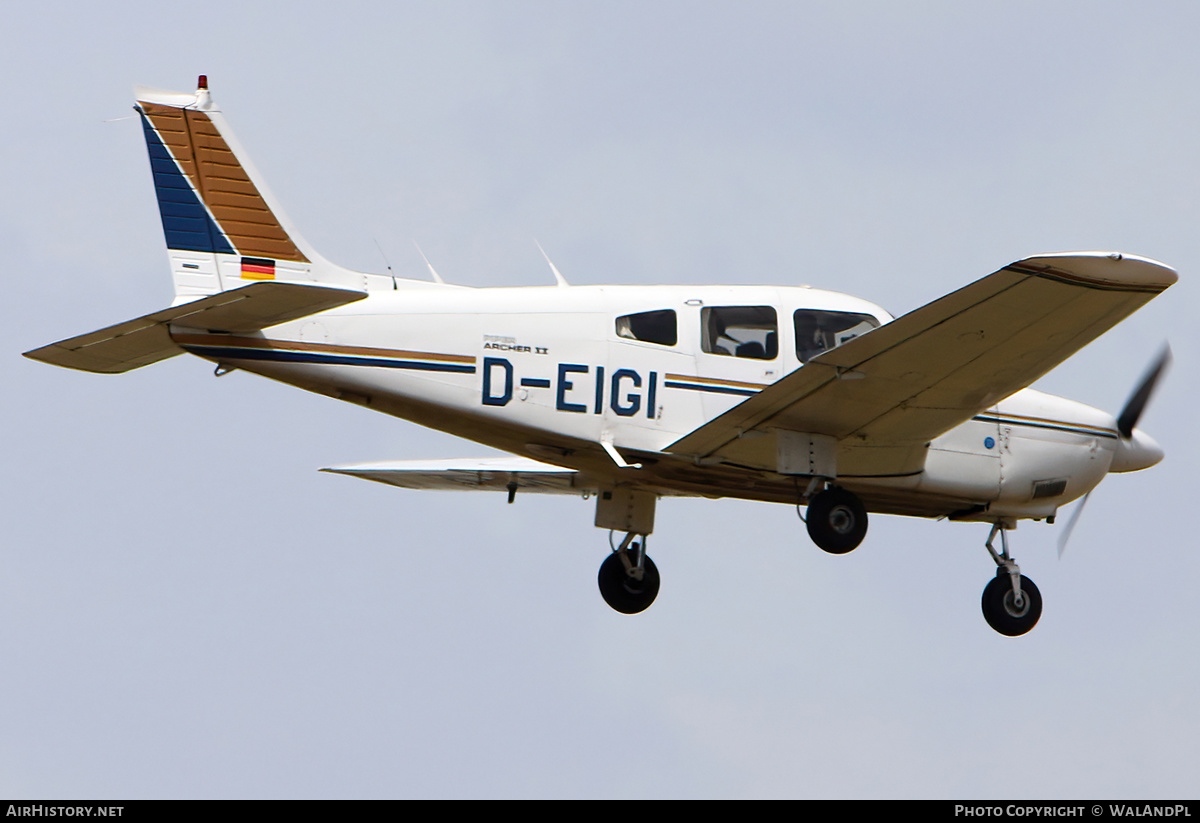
{"x": 628, "y": 578}
{"x": 1010, "y": 612}
{"x": 1011, "y": 602}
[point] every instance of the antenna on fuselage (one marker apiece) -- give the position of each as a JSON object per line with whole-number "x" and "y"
{"x": 387, "y": 263}
{"x": 562, "y": 281}
{"x": 437, "y": 278}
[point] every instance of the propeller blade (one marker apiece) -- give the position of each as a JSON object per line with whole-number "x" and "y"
{"x": 1136, "y": 403}
{"x": 1070, "y": 527}
{"x": 1126, "y": 423}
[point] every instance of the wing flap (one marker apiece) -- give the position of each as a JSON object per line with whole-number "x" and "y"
{"x": 147, "y": 339}
{"x": 924, "y": 373}
{"x": 487, "y": 474}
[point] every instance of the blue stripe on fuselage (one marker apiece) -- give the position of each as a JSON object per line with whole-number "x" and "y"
{"x": 675, "y": 384}
{"x": 278, "y": 356}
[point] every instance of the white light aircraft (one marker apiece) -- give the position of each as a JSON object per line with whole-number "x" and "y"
{"x": 631, "y": 393}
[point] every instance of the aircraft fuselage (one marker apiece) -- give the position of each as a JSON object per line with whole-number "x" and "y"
{"x": 541, "y": 371}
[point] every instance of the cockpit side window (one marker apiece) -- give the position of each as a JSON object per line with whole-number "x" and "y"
{"x": 650, "y": 327}
{"x": 740, "y": 331}
{"x": 820, "y": 331}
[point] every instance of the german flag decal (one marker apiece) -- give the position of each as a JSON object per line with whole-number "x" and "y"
{"x": 258, "y": 268}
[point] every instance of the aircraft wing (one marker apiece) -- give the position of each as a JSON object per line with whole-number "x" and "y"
{"x": 487, "y": 474}
{"x": 910, "y": 380}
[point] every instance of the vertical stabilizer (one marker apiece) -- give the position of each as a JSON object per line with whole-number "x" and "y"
{"x": 222, "y": 226}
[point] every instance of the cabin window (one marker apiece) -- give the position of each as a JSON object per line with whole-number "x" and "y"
{"x": 649, "y": 327}
{"x": 740, "y": 331}
{"x": 820, "y": 331}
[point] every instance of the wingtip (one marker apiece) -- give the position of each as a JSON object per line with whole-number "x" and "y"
{"x": 1107, "y": 268}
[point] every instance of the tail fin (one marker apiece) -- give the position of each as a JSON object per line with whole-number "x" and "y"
{"x": 224, "y": 234}
{"x": 222, "y": 226}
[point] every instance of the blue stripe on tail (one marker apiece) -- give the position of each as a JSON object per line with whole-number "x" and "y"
{"x": 186, "y": 223}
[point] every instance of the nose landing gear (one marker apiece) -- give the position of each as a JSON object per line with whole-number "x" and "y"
{"x": 1011, "y": 603}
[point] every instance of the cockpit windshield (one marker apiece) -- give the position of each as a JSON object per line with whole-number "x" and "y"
{"x": 820, "y": 331}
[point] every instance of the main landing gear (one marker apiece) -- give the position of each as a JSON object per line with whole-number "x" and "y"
{"x": 836, "y": 520}
{"x": 1011, "y": 603}
{"x": 628, "y": 577}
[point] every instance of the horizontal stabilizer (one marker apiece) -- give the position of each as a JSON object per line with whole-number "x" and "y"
{"x": 487, "y": 474}
{"x": 147, "y": 339}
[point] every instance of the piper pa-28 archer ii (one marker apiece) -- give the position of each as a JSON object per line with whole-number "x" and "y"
{"x": 631, "y": 393}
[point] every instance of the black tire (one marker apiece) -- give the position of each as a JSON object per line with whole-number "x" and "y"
{"x": 622, "y": 592}
{"x": 1000, "y": 611}
{"x": 836, "y": 520}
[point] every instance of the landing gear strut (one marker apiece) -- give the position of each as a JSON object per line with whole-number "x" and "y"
{"x": 1011, "y": 603}
{"x": 628, "y": 577}
{"x": 836, "y": 520}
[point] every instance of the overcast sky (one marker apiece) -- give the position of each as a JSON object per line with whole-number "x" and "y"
{"x": 189, "y": 609}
